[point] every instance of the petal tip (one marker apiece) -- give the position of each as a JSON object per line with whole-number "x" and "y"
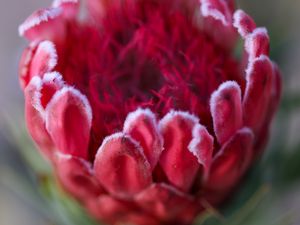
{"x": 37, "y": 18}
{"x": 49, "y": 48}
{"x": 173, "y": 113}
{"x": 209, "y": 10}
{"x": 58, "y": 3}
{"x": 199, "y": 134}
{"x": 131, "y": 117}
{"x": 243, "y": 23}
{"x": 67, "y": 89}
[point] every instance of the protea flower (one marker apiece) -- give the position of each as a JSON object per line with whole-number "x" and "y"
{"x": 143, "y": 108}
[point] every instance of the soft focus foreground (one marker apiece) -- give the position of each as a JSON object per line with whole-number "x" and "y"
{"x": 206, "y": 205}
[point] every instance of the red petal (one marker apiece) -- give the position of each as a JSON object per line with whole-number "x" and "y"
{"x": 43, "y": 24}
{"x": 217, "y": 9}
{"x": 226, "y": 110}
{"x": 121, "y": 166}
{"x": 70, "y": 8}
{"x": 258, "y": 91}
{"x": 141, "y": 125}
{"x": 231, "y": 162}
{"x": 68, "y": 120}
{"x": 273, "y": 104}
{"x": 44, "y": 59}
{"x": 25, "y": 62}
{"x": 217, "y": 22}
{"x": 178, "y": 163}
{"x": 35, "y": 118}
{"x": 163, "y": 201}
{"x": 202, "y": 147}
{"x": 244, "y": 23}
{"x": 52, "y": 82}
{"x": 257, "y": 43}
{"x": 76, "y": 176}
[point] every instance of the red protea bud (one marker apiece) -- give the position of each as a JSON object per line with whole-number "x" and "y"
{"x": 141, "y": 105}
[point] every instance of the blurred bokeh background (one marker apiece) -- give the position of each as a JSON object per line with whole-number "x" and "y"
{"x": 277, "y": 176}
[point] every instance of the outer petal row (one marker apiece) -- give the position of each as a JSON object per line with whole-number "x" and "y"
{"x": 58, "y": 117}
{"x": 59, "y": 120}
{"x": 180, "y": 145}
{"x": 262, "y": 78}
{"x": 229, "y": 165}
{"x": 231, "y": 111}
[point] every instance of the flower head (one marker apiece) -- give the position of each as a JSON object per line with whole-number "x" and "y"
{"x": 141, "y": 105}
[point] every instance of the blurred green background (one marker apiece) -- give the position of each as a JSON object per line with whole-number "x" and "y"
{"x": 270, "y": 193}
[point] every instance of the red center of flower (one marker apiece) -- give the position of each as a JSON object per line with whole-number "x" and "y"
{"x": 144, "y": 55}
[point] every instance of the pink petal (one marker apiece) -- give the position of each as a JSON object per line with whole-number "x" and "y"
{"x": 244, "y": 23}
{"x": 25, "y": 62}
{"x": 44, "y": 59}
{"x": 226, "y": 110}
{"x": 258, "y": 91}
{"x": 178, "y": 163}
{"x": 77, "y": 177}
{"x": 257, "y": 43}
{"x": 121, "y": 166}
{"x": 202, "y": 147}
{"x": 141, "y": 125}
{"x": 263, "y": 134}
{"x": 217, "y": 22}
{"x": 68, "y": 120}
{"x": 52, "y": 82}
{"x": 42, "y": 25}
{"x": 35, "y": 119}
{"x": 70, "y": 8}
{"x": 217, "y": 9}
{"x": 231, "y": 162}
{"x": 163, "y": 201}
